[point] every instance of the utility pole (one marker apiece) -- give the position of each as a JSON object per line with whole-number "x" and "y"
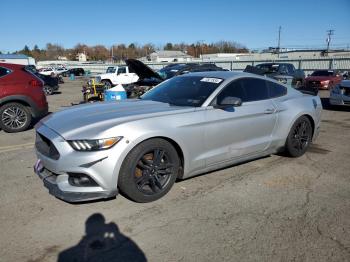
{"x": 112, "y": 59}
{"x": 330, "y": 32}
{"x": 279, "y": 41}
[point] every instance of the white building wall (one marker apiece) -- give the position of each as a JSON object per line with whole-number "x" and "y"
{"x": 19, "y": 61}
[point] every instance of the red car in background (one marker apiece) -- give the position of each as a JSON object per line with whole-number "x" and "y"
{"x": 323, "y": 79}
{"x": 21, "y": 98}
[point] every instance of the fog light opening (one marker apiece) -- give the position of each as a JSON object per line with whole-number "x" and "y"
{"x": 81, "y": 180}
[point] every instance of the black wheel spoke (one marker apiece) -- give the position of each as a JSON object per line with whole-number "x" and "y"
{"x": 142, "y": 181}
{"x": 142, "y": 165}
{"x": 164, "y": 166}
{"x": 158, "y": 156}
{"x": 164, "y": 171}
{"x": 157, "y": 182}
{"x": 153, "y": 186}
{"x": 295, "y": 143}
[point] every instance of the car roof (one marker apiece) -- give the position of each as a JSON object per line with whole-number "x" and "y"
{"x": 222, "y": 74}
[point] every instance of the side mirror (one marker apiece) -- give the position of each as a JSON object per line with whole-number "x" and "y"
{"x": 228, "y": 101}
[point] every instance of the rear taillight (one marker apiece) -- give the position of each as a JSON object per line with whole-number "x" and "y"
{"x": 35, "y": 83}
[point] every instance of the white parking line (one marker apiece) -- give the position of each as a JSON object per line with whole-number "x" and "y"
{"x": 4, "y": 149}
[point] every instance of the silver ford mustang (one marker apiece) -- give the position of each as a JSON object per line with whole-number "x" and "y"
{"x": 185, "y": 126}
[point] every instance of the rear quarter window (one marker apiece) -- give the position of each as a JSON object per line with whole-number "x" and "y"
{"x": 4, "y": 71}
{"x": 255, "y": 89}
{"x": 276, "y": 90}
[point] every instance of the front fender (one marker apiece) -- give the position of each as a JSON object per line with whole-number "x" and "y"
{"x": 132, "y": 144}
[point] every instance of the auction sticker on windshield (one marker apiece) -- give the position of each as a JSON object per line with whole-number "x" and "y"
{"x": 211, "y": 80}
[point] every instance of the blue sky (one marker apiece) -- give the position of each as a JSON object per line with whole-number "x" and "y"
{"x": 252, "y": 23}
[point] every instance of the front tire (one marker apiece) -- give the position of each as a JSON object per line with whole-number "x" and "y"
{"x": 149, "y": 171}
{"x": 299, "y": 137}
{"x": 14, "y": 117}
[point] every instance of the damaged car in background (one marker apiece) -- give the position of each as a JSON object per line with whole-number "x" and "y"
{"x": 51, "y": 81}
{"x": 137, "y": 78}
{"x": 285, "y": 73}
{"x": 185, "y": 126}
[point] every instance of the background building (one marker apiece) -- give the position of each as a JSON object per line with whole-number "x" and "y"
{"x": 17, "y": 59}
{"x": 169, "y": 56}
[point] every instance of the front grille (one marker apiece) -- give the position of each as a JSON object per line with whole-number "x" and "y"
{"x": 46, "y": 147}
{"x": 313, "y": 84}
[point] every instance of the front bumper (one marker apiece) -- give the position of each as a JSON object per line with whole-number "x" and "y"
{"x": 50, "y": 182}
{"x": 57, "y": 165}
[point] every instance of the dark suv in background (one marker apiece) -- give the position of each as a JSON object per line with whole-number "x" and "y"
{"x": 179, "y": 69}
{"x": 285, "y": 73}
{"x": 74, "y": 71}
{"x": 21, "y": 98}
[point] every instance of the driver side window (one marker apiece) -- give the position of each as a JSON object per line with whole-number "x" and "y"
{"x": 247, "y": 89}
{"x": 233, "y": 89}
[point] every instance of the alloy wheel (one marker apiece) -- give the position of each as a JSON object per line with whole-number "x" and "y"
{"x": 14, "y": 117}
{"x": 301, "y": 135}
{"x": 153, "y": 171}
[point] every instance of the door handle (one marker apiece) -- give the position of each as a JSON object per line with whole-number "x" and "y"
{"x": 269, "y": 111}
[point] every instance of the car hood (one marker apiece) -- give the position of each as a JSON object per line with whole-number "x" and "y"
{"x": 89, "y": 120}
{"x": 142, "y": 70}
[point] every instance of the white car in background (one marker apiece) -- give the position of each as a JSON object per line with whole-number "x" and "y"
{"x": 52, "y": 71}
{"x": 116, "y": 75}
{"x": 340, "y": 94}
{"x": 60, "y": 70}
{"x": 46, "y": 71}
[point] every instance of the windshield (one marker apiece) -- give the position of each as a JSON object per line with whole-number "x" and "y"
{"x": 184, "y": 90}
{"x": 110, "y": 70}
{"x": 269, "y": 68}
{"x": 323, "y": 73}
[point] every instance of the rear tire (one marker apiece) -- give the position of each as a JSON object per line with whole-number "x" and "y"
{"x": 299, "y": 137}
{"x": 14, "y": 117}
{"x": 48, "y": 90}
{"x": 149, "y": 171}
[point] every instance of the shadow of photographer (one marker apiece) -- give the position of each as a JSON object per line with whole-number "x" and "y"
{"x": 102, "y": 242}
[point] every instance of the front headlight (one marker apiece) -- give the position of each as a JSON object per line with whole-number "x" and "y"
{"x": 94, "y": 145}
